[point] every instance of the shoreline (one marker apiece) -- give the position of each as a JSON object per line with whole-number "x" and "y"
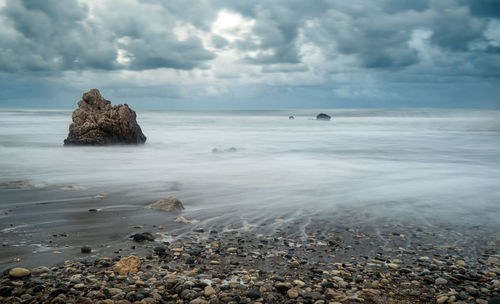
{"x": 249, "y": 267}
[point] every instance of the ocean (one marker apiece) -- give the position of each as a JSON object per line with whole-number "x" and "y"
{"x": 243, "y": 169}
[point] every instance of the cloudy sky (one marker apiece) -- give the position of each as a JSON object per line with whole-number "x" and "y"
{"x": 251, "y": 54}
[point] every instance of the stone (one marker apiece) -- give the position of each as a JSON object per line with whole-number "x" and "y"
{"x": 141, "y": 237}
{"x": 19, "y": 273}
{"x": 282, "y": 287}
{"x": 168, "y": 204}
{"x": 494, "y": 300}
{"x": 253, "y": 294}
{"x": 292, "y": 293}
{"x": 291, "y": 117}
{"x": 441, "y": 281}
{"x": 86, "y": 249}
{"x": 442, "y": 299}
{"x": 127, "y": 265}
{"x": 323, "y": 116}
{"x": 96, "y": 122}
{"x": 114, "y": 291}
{"x": 183, "y": 220}
{"x": 40, "y": 269}
{"x": 208, "y": 291}
{"x": 79, "y": 286}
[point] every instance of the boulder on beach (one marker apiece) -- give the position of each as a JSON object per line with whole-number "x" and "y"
{"x": 168, "y": 204}
{"x": 96, "y": 122}
{"x": 323, "y": 116}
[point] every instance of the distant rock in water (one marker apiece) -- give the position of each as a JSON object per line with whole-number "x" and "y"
{"x": 291, "y": 117}
{"x": 96, "y": 122}
{"x": 323, "y": 116}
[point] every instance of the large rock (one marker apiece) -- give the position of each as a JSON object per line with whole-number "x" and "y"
{"x": 96, "y": 122}
{"x": 168, "y": 204}
{"x": 323, "y": 116}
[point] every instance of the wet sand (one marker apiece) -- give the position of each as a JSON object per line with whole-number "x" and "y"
{"x": 245, "y": 255}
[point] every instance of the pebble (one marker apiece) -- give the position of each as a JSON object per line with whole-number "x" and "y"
{"x": 19, "y": 273}
{"x": 208, "y": 291}
{"x": 292, "y": 293}
{"x": 441, "y": 281}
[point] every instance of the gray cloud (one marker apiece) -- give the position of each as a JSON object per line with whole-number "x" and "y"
{"x": 327, "y": 44}
{"x": 57, "y": 36}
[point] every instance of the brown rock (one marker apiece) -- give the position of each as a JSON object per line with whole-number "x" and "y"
{"x": 127, "y": 265}
{"x": 169, "y": 204}
{"x": 292, "y": 293}
{"x": 19, "y": 273}
{"x": 96, "y": 122}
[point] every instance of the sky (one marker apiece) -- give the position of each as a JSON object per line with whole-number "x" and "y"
{"x": 251, "y": 54}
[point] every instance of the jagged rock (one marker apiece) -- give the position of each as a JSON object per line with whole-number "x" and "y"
{"x": 128, "y": 265}
{"x": 96, "y": 122}
{"x": 323, "y": 116}
{"x": 168, "y": 204}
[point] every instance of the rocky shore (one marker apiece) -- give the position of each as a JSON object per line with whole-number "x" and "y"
{"x": 209, "y": 266}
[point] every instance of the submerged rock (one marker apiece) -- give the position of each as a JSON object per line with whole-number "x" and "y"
{"x": 323, "y": 116}
{"x": 183, "y": 220}
{"x": 18, "y": 184}
{"x": 168, "y": 204}
{"x": 96, "y": 122}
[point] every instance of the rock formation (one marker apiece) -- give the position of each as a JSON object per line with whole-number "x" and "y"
{"x": 323, "y": 116}
{"x": 96, "y": 122}
{"x": 168, "y": 204}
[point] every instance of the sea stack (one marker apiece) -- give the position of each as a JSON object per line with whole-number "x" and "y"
{"x": 323, "y": 116}
{"x": 96, "y": 122}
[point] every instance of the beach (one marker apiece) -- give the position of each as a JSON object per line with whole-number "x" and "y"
{"x": 371, "y": 207}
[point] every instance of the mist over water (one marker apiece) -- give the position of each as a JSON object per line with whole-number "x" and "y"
{"x": 422, "y": 166}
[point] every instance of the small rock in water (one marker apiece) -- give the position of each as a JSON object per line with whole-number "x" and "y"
{"x": 15, "y": 184}
{"x": 141, "y": 237}
{"x": 183, "y": 220}
{"x": 168, "y": 204}
{"x": 291, "y": 117}
{"x": 86, "y": 249}
{"x": 73, "y": 187}
{"x": 92, "y": 210}
{"x": 19, "y": 273}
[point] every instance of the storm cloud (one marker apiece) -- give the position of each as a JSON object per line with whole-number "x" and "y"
{"x": 205, "y": 50}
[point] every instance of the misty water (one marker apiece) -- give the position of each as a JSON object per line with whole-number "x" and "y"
{"x": 242, "y": 169}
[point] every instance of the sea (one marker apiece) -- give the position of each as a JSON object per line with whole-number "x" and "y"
{"x": 241, "y": 169}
